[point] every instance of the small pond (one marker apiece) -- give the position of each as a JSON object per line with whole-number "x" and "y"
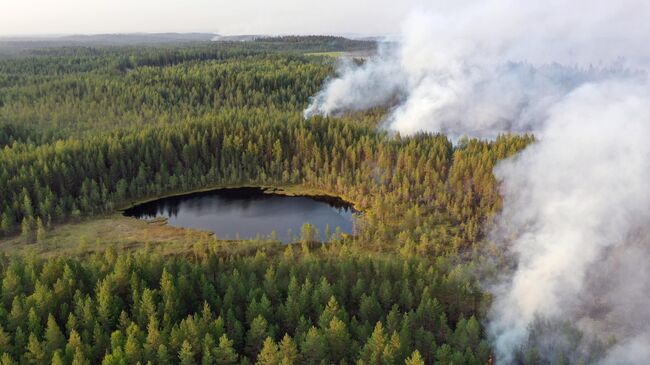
{"x": 245, "y": 213}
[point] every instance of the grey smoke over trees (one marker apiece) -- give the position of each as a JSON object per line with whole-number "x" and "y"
{"x": 577, "y": 202}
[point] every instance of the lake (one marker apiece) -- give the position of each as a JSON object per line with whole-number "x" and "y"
{"x": 245, "y": 213}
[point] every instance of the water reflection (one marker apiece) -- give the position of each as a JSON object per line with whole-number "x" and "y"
{"x": 249, "y": 212}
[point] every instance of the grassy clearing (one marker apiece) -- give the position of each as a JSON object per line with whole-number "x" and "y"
{"x": 326, "y": 54}
{"x": 352, "y": 54}
{"x": 124, "y": 233}
{"x": 98, "y": 233}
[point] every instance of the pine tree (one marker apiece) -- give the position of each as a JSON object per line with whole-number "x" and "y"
{"x": 6, "y": 359}
{"x": 41, "y": 233}
{"x": 5, "y": 341}
{"x": 27, "y": 229}
{"x": 444, "y": 354}
{"x": 132, "y": 348}
{"x": 313, "y": 347}
{"x": 208, "y": 345}
{"x": 107, "y": 309}
{"x": 20, "y": 339}
{"x": 391, "y": 350}
{"x": 256, "y": 336}
{"x": 288, "y": 350}
{"x": 34, "y": 322}
{"x": 6, "y": 224}
{"x": 225, "y": 354}
{"x": 74, "y": 347}
{"x": 169, "y": 297}
{"x": 186, "y": 355}
{"x": 269, "y": 354}
{"x": 331, "y": 310}
{"x": 338, "y": 340}
{"x": 414, "y": 359}
{"x": 153, "y": 340}
{"x": 57, "y": 358}
{"x": 35, "y": 354}
{"x": 79, "y": 358}
{"x": 373, "y": 351}
{"x": 117, "y": 340}
{"x": 162, "y": 355}
{"x": 308, "y": 233}
{"x": 28, "y": 209}
{"x": 54, "y": 338}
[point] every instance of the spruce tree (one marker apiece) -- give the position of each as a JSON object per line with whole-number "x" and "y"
{"x": 269, "y": 355}
{"x": 225, "y": 354}
{"x": 186, "y": 355}
{"x": 414, "y": 359}
{"x": 54, "y": 338}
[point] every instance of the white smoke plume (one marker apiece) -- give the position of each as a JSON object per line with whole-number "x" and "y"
{"x": 360, "y": 88}
{"x": 484, "y": 67}
{"x": 576, "y": 212}
{"x": 576, "y": 204}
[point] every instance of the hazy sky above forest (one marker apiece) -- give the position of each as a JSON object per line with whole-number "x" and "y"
{"x": 42, "y": 17}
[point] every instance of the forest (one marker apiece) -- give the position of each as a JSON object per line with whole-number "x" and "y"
{"x": 87, "y": 130}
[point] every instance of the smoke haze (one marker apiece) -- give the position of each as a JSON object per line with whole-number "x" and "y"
{"x": 483, "y": 68}
{"x": 576, "y": 202}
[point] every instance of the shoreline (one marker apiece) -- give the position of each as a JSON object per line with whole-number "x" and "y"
{"x": 284, "y": 190}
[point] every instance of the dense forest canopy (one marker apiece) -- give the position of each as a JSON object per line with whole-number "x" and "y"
{"x": 85, "y": 130}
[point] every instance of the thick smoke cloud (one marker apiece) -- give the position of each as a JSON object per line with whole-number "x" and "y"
{"x": 360, "y": 88}
{"x": 481, "y": 68}
{"x": 576, "y": 202}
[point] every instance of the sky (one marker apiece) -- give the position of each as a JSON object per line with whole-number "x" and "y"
{"x": 227, "y": 17}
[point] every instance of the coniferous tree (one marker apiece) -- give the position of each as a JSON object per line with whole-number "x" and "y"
{"x": 185, "y": 354}
{"x": 269, "y": 355}
{"x": 313, "y": 348}
{"x": 224, "y": 353}
{"x": 54, "y": 338}
{"x": 414, "y": 359}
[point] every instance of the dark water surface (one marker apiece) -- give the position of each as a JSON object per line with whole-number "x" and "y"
{"x": 246, "y": 212}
